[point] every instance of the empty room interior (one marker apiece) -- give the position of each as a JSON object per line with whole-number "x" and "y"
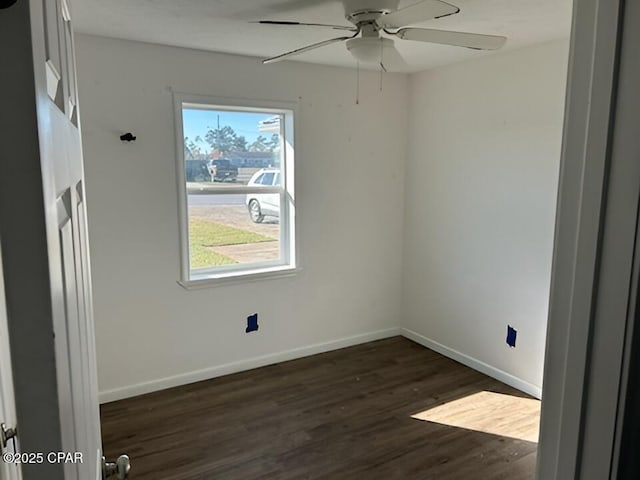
{"x": 331, "y": 264}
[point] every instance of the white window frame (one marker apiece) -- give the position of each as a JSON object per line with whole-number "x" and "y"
{"x": 287, "y": 264}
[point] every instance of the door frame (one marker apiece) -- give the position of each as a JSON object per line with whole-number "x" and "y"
{"x": 594, "y": 267}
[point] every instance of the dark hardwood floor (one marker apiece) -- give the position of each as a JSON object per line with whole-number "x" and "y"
{"x": 346, "y": 414}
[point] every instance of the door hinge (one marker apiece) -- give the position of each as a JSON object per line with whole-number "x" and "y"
{"x": 7, "y": 434}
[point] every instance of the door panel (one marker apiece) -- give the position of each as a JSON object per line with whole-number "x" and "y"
{"x": 75, "y": 350}
{"x": 69, "y": 51}
{"x": 91, "y": 381}
{"x": 71, "y": 326}
{"x": 53, "y": 52}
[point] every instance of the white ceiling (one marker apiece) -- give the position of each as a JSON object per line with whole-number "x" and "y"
{"x": 223, "y": 26}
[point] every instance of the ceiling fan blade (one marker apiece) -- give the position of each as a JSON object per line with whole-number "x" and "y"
{"x": 419, "y": 12}
{"x": 392, "y": 61}
{"x": 458, "y": 39}
{"x": 301, "y": 24}
{"x": 304, "y": 49}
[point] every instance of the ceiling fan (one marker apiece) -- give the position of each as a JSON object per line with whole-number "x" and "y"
{"x": 374, "y": 21}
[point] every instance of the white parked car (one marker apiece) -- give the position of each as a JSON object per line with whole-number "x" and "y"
{"x": 261, "y": 205}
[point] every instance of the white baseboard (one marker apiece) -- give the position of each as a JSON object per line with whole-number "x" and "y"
{"x": 239, "y": 366}
{"x": 261, "y": 361}
{"x": 471, "y": 362}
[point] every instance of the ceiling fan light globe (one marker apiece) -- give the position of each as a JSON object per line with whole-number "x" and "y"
{"x": 368, "y": 50}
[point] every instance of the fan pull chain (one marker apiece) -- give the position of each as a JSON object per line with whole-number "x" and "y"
{"x": 382, "y": 69}
{"x": 357, "y": 83}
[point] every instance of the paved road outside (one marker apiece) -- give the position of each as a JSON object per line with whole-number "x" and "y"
{"x": 221, "y": 199}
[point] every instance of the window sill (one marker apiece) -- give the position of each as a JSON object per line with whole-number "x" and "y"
{"x": 232, "y": 278}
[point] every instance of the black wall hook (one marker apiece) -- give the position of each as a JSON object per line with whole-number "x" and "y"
{"x": 6, "y": 3}
{"x": 128, "y": 137}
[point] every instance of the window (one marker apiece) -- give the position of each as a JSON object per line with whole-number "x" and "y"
{"x": 236, "y": 188}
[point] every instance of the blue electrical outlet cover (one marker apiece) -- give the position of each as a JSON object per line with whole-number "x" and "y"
{"x": 511, "y": 336}
{"x": 252, "y": 323}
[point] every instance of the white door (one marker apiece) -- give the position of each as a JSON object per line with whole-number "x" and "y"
{"x": 48, "y": 70}
{"x": 8, "y": 469}
{"x": 61, "y": 152}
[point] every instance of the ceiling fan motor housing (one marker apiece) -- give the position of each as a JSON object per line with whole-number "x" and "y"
{"x": 364, "y": 10}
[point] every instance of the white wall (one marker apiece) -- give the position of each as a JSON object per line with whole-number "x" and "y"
{"x": 481, "y": 182}
{"x": 473, "y": 212}
{"x": 350, "y": 196}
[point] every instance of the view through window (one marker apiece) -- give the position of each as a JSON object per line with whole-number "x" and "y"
{"x": 235, "y": 166}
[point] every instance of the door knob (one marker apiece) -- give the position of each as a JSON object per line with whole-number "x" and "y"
{"x": 120, "y": 469}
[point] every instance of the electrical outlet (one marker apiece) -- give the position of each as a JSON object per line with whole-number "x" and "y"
{"x": 512, "y": 333}
{"x": 252, "y": 323}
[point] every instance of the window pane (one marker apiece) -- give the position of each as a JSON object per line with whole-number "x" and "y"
{"x": 224, "y": 147}
{"x": 233, "y": 229}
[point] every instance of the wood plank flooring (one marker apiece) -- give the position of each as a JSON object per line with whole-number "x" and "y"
{"x": 384, "y": 410}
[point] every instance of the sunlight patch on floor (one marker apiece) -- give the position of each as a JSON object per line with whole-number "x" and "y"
{"x": 489, "y": 412}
